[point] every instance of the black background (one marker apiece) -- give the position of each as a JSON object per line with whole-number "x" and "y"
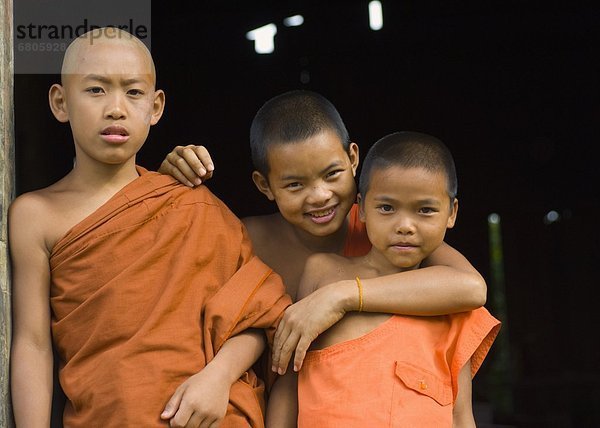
{"x": 511, "y": 87}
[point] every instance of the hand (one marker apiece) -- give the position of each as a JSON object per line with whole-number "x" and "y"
{"x": 201, "y": 401}
{"x": 304, "y": 321}
{"x": 190, "y": 165}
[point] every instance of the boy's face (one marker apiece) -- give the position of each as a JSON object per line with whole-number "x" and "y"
{"x": 312, "y": 182}
{"x": 407, "y": 212}
{"x": 108, "y": 97}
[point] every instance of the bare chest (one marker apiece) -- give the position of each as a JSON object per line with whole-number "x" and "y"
{"x": 285, "y": 259}
{"x": 65, "y": 213}
{"x": 352, "y": 326}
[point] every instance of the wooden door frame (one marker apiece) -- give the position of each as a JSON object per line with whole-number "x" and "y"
{"x": 7, "y": 193}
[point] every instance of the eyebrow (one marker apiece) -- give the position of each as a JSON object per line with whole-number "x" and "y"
{"x": 323, "y": 171}
{"x": 425, "y": 201}
{"x": 103, "y": 79}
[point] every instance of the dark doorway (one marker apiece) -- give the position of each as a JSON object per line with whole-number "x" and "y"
{"x": 511, "y": 87}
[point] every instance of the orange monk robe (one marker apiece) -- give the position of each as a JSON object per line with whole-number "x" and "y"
{"x": 357, "y": 242}
{"x": 144, "y": 293}
{"x": 404, "y": 373}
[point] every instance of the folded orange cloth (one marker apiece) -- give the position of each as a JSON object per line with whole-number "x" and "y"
{"x": 144, "y": 293}
{"x": 357, "y": 242}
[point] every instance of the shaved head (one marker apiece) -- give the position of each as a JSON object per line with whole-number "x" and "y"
{"x": 108, "y": 91}
{"x": 78, "y": 52}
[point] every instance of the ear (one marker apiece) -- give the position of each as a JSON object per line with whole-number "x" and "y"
{"x": 361, "y": 207}
{"x": 262, "y": 184}
{"x": 158, "y": 106}
{"x": 353, "y": 155}
{"x": 453, "y": 214}
{"x": 58, "y": 102}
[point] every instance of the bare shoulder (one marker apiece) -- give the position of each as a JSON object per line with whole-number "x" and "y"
{"x": 262, "y": 226}
{"x": 41, "y": 214}
{"x": 325, "y": 261}
{"x": 28, "y": 218}
{"x": 40, "y": 202}
{"x": 322, "y": 269}
{"x": 262, "y": 229}
{"x": 31, "y": 205}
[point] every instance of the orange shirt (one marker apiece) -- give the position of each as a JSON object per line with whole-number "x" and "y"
{"x": 357, "y": 242}
{"x": 402, "y": 374}
{"x": 144, "y": 292}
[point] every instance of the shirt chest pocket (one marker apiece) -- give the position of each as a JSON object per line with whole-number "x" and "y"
{"x": 424, "y": 382}
{"x": 421, "y": 398}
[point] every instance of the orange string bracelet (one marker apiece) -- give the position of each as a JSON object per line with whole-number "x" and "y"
{"x": 360, "y": 294}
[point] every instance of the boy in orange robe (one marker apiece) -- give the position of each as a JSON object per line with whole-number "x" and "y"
{"x": 155, "y": 295}
{"x": 382, "y": 370}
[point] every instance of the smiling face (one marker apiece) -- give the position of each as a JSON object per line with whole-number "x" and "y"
{"x": 312, "y": 182}
{"x": 108, "y": 97}
{"x": 407, "y": 212}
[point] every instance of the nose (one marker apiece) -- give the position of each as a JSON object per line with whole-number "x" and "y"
{"x": 405, "y": 225}
{"x": 116, "y": 106}
{"x": 319, "y": 195}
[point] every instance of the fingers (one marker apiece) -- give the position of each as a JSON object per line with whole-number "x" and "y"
{"x": 210, "y": 423}
{"x": 195, "y": 421}
{"x": 173, "y": 404}
{"x": 167, "y": 168}
{"x": 190, "y": 165}
{"x": 285, "y": 352}
{"x": 182, "y": 417}
{"x": 278, "y": 339}
{"x": 203, "y": 156}
{"x": 181, "y": 165}
{"x": 300, "y": 353}
{"x": 286, "y": 339}
{"x": 198, "y": 420}
{"x": 281, "y": 336}
{"x": 194, "y": 162}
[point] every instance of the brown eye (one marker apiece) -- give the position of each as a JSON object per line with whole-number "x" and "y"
{"x": 385, "y": 208}
{"x": 427, "y": 210}
{"x": 293, "y": 186}
{"x": 334, "y": 173}
{"x": 95, "y": 90}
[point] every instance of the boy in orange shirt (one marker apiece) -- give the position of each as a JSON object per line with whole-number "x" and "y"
{"x": 376, "y": 369}
{"x": 305, "y": 162}
{"x": 143, "y": 337}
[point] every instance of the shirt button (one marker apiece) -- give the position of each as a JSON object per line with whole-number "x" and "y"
{"x": 422, "y": 384}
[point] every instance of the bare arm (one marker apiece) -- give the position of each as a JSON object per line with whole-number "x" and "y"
{"x": 462, "y": 414}
{"x": 446, "y": 284}
{"x": 190, "y": 165}
{"x": 282, "y": 410}
{"x": 203, "y": 397}
{"x": 31, "y": 351}
{"x": 302, "y": 322}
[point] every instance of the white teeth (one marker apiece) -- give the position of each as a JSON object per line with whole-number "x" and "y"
{"x": 321, "y": 213}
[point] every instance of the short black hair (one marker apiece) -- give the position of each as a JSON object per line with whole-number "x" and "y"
{"x": 409, "y": 150}
{"x": 292, "y": 117}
